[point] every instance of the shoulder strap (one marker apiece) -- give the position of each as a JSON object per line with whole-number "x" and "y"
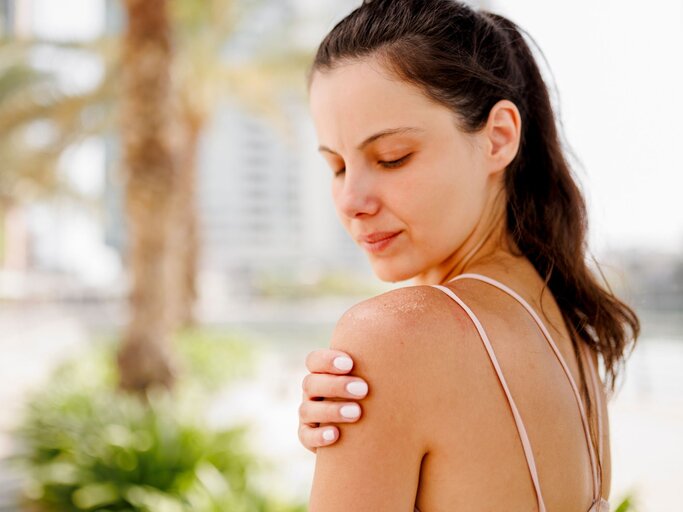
{"x": 584, "y": 420}
{"x": 596, "y": 391}
{"x": 526, "y": 444}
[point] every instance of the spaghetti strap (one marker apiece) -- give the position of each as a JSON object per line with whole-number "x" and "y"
{"x": 526, "y": 444}
{"x": 584, "y": 420}
{"x": 598, "y": 400}
{"x": 599, "y": 503}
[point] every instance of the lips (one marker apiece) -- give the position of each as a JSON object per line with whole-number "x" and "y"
{"x": 377, "y": 242}
{"x": 377, "y": 236}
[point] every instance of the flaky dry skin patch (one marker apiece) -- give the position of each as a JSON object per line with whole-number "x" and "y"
{"x": 406, "y": 315}
{"x": 402, "y": 300}
{"x": 401, "y": 303}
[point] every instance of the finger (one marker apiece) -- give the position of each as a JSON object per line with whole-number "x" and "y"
{"x": 317, "y": 385}
{"x": 329, "y": 412}
{"x": 327, "y": 360}
{"x": 314, "y": 437}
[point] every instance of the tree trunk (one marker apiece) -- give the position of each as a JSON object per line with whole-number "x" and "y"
{"x": 186, "y": 238}
{"x": 144, "y": 358}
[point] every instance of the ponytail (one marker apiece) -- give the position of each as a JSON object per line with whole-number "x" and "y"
{"x": 547, "y": 218}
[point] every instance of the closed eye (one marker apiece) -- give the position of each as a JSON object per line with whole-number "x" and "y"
{"x": 394, "y": 163}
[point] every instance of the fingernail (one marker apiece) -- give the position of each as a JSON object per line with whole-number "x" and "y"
{"x": 357, "y": 387}
{"x": 343, "y": 363}
{"x": 328, "y": 434}
{"x": 350, "y": 411}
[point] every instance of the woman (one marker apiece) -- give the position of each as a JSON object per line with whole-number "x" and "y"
{"x": 437, "y": 125}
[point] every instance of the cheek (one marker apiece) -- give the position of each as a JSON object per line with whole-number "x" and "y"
{"x": 441, "y": 209}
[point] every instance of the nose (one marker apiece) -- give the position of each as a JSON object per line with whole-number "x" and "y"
{"x": 356, "y": 193}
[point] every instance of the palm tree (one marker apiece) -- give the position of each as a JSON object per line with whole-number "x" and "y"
{"x": 38, "y": 122}
{"x": 161, "y": 204}
{"x": 199, "y": 80}
{"x": 151, "y": 181}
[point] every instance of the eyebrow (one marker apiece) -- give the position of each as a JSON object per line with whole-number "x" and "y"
{"x": 378, "y": 135}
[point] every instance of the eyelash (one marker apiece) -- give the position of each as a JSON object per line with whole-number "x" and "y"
{"x": 388, "y": 165}
{"x": 395, "y": 163}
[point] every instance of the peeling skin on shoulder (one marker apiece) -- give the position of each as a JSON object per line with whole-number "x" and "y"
{"x": 392, "y": 320}
{"x": 415, "y": 300}
{"x": 394, "y": 303}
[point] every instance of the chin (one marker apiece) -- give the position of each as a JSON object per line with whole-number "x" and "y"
{"x": 391, "y": 272}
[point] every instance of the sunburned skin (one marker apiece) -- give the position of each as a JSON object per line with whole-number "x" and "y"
{"x": 427, "y": 368}
{"x": 417, "y": 303}
{"x": 397, "y": 303}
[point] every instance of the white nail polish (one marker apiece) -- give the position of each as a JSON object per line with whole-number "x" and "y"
{"x": 328, "y": 434}
{"x": 357, "y": 388}
{"x": 350, "y": 411}
{"x": 343, "y": 363}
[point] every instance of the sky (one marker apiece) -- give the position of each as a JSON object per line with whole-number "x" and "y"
{"x": 619, "y": 72}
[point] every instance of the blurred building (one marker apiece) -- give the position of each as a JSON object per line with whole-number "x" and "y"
{"x": 15, "y": 18}
{"x": 265, "y": 199}
{"x": 5, "y": 19}
{"x": 265, "y": 203}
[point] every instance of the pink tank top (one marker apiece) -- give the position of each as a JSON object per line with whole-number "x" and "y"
{"x": 599, "y": 504}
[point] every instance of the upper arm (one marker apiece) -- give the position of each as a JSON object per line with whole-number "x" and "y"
{"x": 375, "y": 464}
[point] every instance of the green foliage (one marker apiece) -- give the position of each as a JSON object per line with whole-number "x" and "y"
{"x": 88, "y": 446}
{"x": 40, "y": 120}
{"x": 211, "y": 358}
{"x": 627, "y": 504}
{"x": 283, "y": 285}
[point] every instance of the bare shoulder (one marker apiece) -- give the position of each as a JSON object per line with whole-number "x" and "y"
{"x": 376, "y": 463}
{"x": 399, "y": 320}
{"x": 405, "y": 343}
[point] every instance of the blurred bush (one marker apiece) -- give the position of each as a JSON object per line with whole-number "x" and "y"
{"x": 627, "y": 504}
{"x": 85, "y": 445}
{"x": 285, "y": 285}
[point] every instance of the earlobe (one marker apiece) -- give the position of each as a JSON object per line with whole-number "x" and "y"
{"x": 504, "y": 130}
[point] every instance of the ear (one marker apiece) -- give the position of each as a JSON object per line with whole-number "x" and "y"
{"x": 502, "y": 135}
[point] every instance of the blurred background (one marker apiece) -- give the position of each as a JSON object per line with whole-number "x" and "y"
{"x": 163, "y": 150}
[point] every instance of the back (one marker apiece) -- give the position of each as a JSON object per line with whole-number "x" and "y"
{"x": 476, "y": 459}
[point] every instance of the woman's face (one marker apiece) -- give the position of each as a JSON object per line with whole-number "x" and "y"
{"x": 402, "y": 169}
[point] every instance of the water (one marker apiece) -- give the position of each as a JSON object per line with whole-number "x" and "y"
{"x": 646, "y": 421}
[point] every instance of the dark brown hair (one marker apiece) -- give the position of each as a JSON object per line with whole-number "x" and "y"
{"x": 469, "y": 60}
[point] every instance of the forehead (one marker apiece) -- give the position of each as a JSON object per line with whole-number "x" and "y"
{"x": 362, "y": 97}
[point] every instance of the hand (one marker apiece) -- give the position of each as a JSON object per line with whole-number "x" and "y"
{"x": 327, "y": 380}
